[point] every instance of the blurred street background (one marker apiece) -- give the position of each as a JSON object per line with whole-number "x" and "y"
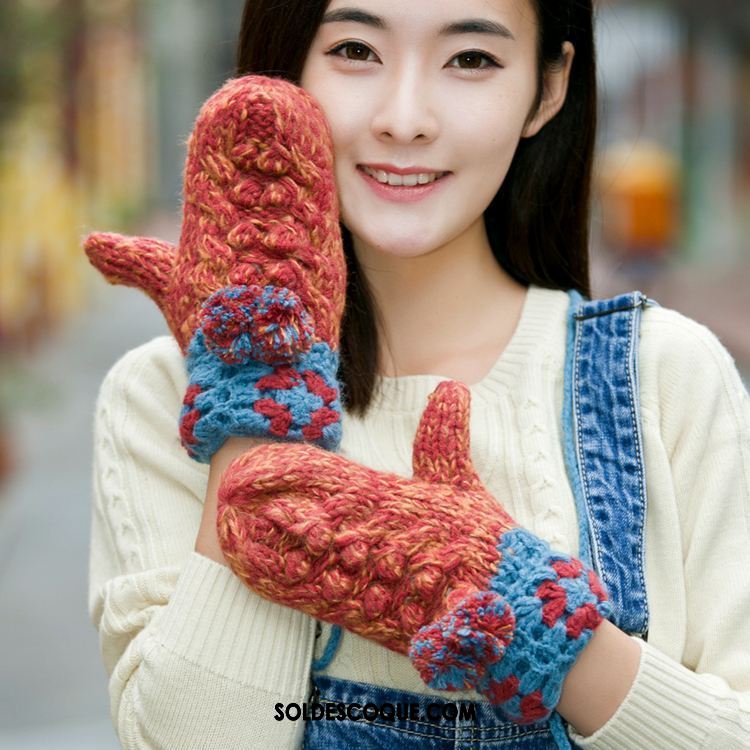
{"x": 96, "y": 102}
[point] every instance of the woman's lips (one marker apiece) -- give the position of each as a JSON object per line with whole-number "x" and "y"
{"x": 402, "y": 193}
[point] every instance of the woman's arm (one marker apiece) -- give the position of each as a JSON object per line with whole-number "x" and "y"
{"x": 195, "y": 659}
{"x": 691, "y": 388}
{"x": 207, "y": 542}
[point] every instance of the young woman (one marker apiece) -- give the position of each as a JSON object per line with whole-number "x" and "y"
{"x": 492, "y": 105}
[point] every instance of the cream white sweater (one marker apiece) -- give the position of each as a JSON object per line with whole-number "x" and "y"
{"x": 196, "y": 660}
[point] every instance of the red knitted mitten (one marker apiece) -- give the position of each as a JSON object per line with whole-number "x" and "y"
{"x": 254, "y": 292}
{"x": 431, "y": 566}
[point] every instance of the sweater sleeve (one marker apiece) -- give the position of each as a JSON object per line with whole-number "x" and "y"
{"x": 704, "y": 412}
{"x": 194, "y": 658}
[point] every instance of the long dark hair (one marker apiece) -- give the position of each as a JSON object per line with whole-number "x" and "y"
{"x": 537, "y": 223}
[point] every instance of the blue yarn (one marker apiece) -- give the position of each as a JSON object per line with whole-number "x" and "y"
{"x": 228, "y": 393}
{"x": 539, "y": 656}
{"x": 330, "y": 650}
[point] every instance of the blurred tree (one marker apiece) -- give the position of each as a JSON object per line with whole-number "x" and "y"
{"x": 9, "y": 58}
{"x": 73, "y": 150}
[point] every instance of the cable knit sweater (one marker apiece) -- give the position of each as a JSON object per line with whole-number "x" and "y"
{"x": 196, "y": 660}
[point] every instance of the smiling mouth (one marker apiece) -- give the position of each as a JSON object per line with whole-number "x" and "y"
{"x": 402, "y": 180}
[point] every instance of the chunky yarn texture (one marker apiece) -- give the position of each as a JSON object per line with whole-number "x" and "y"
{"x": 432, "y": 567}
{"x": 254, "y": 292}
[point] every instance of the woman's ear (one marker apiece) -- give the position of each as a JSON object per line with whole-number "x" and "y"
{"x": 555, "y": 90}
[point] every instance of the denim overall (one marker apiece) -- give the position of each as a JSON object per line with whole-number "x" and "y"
{"x": 604, "y": 462}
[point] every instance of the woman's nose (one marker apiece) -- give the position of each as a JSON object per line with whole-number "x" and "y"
{"x": 404, "y": 111}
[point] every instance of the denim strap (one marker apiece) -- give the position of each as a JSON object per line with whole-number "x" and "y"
{"x": 603, "y": 448}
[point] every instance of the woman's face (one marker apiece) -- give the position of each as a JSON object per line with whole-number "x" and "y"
{"x": 419, "y": 89}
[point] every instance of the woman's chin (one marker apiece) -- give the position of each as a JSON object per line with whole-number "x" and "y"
{"x": 406, "y": 245}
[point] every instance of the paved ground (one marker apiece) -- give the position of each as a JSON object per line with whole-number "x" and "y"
{"x": 53, "y": 692}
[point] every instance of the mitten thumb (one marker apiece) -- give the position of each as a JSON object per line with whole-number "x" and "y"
{"x": 140, "y": 262}
{"x": 441, "y": 447}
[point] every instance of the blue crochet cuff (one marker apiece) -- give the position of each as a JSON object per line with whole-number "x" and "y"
{"x": 296, "y": 402}
{"x": 557, "y": 603}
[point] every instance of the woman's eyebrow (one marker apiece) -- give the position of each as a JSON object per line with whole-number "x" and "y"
{"x": 465, "y": 26}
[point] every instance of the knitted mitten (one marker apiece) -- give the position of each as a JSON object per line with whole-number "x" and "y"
{"x": 431, "y": 566}
{"x": 254, "y": 292}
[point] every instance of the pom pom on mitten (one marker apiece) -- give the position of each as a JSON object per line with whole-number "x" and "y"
{"x": 432, "y": 567}
{"x": 254, "y": 292}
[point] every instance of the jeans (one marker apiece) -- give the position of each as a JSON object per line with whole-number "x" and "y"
{"x": 416, "y": 722}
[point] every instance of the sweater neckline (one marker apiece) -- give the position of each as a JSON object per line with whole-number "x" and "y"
{"x": 408, "y": 392}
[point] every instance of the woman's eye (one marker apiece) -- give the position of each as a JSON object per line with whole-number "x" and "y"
{"x": 472, "y": 60}
{"x": 354, "y": 51}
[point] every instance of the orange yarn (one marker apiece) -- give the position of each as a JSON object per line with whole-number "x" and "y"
{"x": 374, "y": 552}
{"x": 260, "y": 207}
{"x": 254, "y": 292}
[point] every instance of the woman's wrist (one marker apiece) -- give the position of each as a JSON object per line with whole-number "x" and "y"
{"x": 207, "y": 541}
{"x": 600, "y": 679}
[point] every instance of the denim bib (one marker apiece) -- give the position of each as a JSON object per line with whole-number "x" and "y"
{"x": 604, "y": 460}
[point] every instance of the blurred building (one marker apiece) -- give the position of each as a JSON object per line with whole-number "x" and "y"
{"x": 675, "y": 141}
{"x": 74, "y": 149}
{"x": 192, "y": 52}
